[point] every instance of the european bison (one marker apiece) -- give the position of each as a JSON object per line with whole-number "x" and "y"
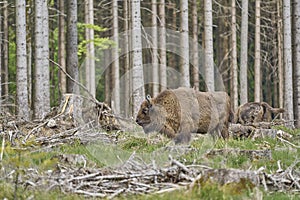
{"x": 178, "y": 113}
{"x": 255, "y": 112}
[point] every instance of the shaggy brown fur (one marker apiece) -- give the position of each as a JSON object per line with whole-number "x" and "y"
{"x": 178, "y": 113}
{"x": 254, "y": 112}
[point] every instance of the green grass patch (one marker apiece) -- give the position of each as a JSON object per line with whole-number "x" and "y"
{"x": 8, "y": 191}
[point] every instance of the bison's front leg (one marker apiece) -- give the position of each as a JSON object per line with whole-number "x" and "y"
{"x": 168, "y": 131}
{"x": 183, "y": 138}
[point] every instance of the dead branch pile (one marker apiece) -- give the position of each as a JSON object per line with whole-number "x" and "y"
{"x": 137, "y": 177}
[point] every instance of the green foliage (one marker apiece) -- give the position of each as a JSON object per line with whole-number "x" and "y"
{"x": 99, "y": 42}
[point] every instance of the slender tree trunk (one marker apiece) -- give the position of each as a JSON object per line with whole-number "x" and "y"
{"x": 72, "y": 57}
{"x": 208, "y": 46}
{"x": 257, "y": 78}
{"x": 244, "y": 54}
{"x": 184, "y": 45}
{"x": 87, "y": 38}
{"x": 30, "y": 33}
{"x": 162, "y": 46}
{"x": 195, "y": 61}
{"x": 42, "y": 90}
{"x": 126, "y": 60}
{"x": 115, "y": 54}
{"x": 62, "y": 46}
{"x": 155, "y": 74}
{"x": 296, "y": 41}
{"x": 1, "y": 36}
{"x": 138, "y": 91}
{"x": 22, "y": 89}
{"x": 288, "y": 68}
{"x": 46, "y": 81}
{"x": 90, "y": 55}
{"x": 234, "y": 57}
{"x": 92, "y": 50}
{"x": 280, "y": 53}
{"x": 5, "y": 48}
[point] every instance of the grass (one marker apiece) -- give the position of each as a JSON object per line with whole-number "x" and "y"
{"x": 101, "y": 154}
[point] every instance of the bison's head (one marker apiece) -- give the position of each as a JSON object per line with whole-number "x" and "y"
{"x": 149, "y": 116}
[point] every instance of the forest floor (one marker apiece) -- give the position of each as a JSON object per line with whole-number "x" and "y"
{"x": 58, "y": 159}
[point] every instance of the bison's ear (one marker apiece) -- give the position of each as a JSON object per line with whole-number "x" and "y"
{"x": 148, "y": 98}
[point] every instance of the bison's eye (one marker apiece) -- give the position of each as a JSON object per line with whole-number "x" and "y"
{"x": 145, "y": 111}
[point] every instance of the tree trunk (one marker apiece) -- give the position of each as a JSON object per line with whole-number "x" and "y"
{"x": 138, "y": 92}
{"x": 22, "y": 89}
{"x": 72, "y": 57}
{"x": 62, "y": 47}
{"x": 1, "y": 36}
{"x": 5, "y": 49}
{"x": 162, "y": 46}
{"x": 126, "y": 61}
{"x": 234, "y": 93}
{"x": 287, "y": 58}
{"x": 115, "y": 58}
{"x": 46, "y": 81}
{"x": 184, "y": 45}
{"x": 208, "y": 46}
{"x": 29, "y": 43}
{"x": 155, "y": 74}
{"x": 296, "y": 61}
{"x": 244, "y": 54}
{"x": 42, "y": 90}
{"x": 87, "y": 38}
{"x": 90, "y": 53}
{"x": 195, "y": 61}
{"x": 280, "y": 53}
{"x": 257, "y": 78}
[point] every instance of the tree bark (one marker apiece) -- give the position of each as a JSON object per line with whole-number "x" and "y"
{"x": 1, "y": 36}
{"x": 138, "y": 92}
{"x": 115, "y": 58}
{"x": 296, "y": 61}
{"x": 42, "y": 90}
{"x": 162, "y": 46}
{"x": 22, "y": 89}
{"x": 244, "y": 54}
{"x": 184, "y": 45}
{"x": 90, "y": 53}
{"x": 62, "y": 47}
{"x": 126, "y": 61}
{"x": 5, "y": 49}
{"x": 287, "y": 56}
{"x": 72, "y": 57}
{"x": 155, "y": 74}
{"x": 257, "y": 78}
{"x": 208, "y": 46}
{"x": 234, "y": 92}
{"x": 280, "y": 54}
{"x": 195, "y": 61}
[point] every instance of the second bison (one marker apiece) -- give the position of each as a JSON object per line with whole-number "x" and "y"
{"x": 178, "y": 113}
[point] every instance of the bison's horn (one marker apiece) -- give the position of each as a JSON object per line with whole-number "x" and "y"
{"x": 148, "y": 98}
